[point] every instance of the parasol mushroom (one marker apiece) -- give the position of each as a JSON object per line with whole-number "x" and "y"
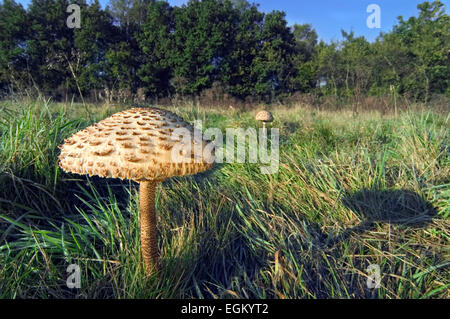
{"x": 264, "y": 117}
{"x": 139, "y": 144}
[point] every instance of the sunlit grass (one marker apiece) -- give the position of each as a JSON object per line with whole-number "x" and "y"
{"x": 351, "y": 191}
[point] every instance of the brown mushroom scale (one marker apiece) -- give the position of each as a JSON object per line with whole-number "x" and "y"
{"x": 138, "y": 144}
{"x": 264, "y": 117}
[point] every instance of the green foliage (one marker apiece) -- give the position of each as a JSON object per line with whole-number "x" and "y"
{"x": 91, "y": 42}
{"x": 426, "y": 40}
{"x": 162, "y": 49}
{"x": 157, "y": 45}
{"x": 238, "y": 67}
{"x": 50, "y": 45}
{"x": 203, "y": 34}
{"x": 305, "y": 51}
{"x": 272, "y": 67}
{"x": 124, "y": 55}
{"x": 261, "y": 61}
{"x": 122, "y": 66}
{"x": 13, "y": 30}
{"x": 413, "y": 58}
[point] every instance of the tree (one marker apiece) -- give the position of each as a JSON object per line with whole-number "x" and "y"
{"x": 241, "y": 5}
{"x": 202, "y": 38}
{"x": 305, "y": 50}
{"x": 149, "y": 44}
{"x": 124, "y": 56}
{"x": 49, "y": 45}
{"x": 157, "y": 44}
{"x": 325, "y": 61}
{"x": 91, "y": 42}
{"x": 261, "y": 60}
{"x": 355, "y": 54}
{"x": 427, "y": 42}
{"x": 13, "y": 31}
{"x": 305, "y": 40}
{"x": 237, "y": 72}
{"x": 129, "y": 14}
{"x": 272, "y": 68}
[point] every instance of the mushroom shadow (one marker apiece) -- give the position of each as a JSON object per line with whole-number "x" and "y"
{"x": 391, "y": 206}
{"x": 395, "y": 207}
{"x": 73, "y": 194}
{"x": 291, "y": 127}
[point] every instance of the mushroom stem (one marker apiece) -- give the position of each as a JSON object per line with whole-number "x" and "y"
{"x": 149, "y": 243}
{"x": 264, "y": 125}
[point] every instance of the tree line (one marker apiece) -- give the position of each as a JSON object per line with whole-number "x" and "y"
{"x": 152, "y": 49}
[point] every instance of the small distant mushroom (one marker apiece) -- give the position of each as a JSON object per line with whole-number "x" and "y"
{"x": 264, "y": 117}
{"x": 137, "y": 144}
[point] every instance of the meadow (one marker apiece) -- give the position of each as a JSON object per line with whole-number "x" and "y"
{"x": 352, "y": 190}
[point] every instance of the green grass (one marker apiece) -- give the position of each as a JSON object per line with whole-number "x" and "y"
{"x": 351, "y": 191}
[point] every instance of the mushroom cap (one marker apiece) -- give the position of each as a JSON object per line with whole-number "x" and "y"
{"x": 141, "y": 144}
{"x": 264, "y": 116}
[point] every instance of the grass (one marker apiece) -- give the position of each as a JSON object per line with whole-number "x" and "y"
{"x": 351, "y": 191}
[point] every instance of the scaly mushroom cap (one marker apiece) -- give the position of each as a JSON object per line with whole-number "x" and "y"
{"x": 139, "y": 144}
{"x": 264, "y": 116}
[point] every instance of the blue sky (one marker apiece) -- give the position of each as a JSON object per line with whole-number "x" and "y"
{"x": 328, "y": 17}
